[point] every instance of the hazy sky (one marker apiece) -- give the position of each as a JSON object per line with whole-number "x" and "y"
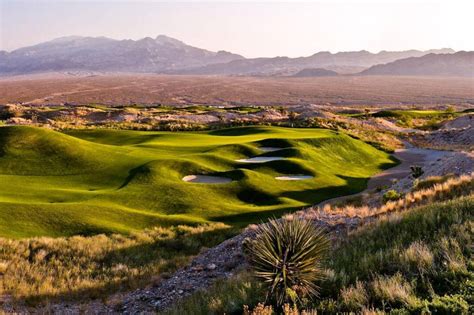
{"x": 249, "y": 28}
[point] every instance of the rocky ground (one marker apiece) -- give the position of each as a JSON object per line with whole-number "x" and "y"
{"x": 220, "y": 262}
{"x": 457, "y": 134}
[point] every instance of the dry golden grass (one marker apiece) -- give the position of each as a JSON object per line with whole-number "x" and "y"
{"x": 41, "y": 269}
{"x": 451, "y": 188}
{"x": 262, "y": 309}
{"x": 393, "y": 289}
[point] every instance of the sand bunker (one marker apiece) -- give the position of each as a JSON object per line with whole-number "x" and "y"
{"x": 261, "y": 159}
{"x": 206, "y": 179}
{"x": 270, "y": 149}
{"x": 293, "y": 177}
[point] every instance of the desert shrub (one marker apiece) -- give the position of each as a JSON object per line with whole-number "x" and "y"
{"x": 416, "y": 171}
{"x": 10, "y": 111}
{"x": 391, "y": 195}
{"x": 449, "y": 305}
{"x": 286, "y": 255}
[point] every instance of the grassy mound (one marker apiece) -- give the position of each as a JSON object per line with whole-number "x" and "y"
{"x": 95, "y": 181}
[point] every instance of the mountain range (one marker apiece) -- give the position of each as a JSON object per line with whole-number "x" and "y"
{"x": 457, "y": 64}
{"x": 105, "y": 54}
{"x": 167, "y": 55}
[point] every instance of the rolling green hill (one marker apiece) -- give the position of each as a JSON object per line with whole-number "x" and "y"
{"x": 101, "y": 181}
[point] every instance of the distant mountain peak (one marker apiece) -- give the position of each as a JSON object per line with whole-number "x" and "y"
{"x": 66, "y": 38}
{"x": 440, "y": 64}
{"x": 163, "y": 39}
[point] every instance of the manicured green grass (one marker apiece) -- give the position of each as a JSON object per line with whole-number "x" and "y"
{"x": 103, "y": 181}
{"x": 421, "y": 119}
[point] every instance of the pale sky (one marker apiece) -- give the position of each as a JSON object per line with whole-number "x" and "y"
{"x": 253, "y": 29}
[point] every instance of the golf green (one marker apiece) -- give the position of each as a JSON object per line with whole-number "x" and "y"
{"x": 101, "y": 181}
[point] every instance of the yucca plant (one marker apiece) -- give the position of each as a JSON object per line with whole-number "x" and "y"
{"x": 416, "y": 171}
{"x": 286, "y": 255}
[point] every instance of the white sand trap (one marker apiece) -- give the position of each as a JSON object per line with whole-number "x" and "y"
{"x": 206, "y": 179}
{"x": 261, "y": 159}
{"x": 270, "y": 149}
{"x": 293, "y": 177}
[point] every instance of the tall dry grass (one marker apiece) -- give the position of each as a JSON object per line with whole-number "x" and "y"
{"x": 37, "y": 270}
{"x": 451, "y": 188}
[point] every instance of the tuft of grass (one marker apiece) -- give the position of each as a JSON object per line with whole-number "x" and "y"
{"x": 394, "y": 290}
{"x": 431, "y": 181}
{"x": 354, "y": 297}
{"x": 418, "y": 258}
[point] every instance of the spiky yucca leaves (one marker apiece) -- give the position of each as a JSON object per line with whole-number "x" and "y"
{"x": 286, "y": 255}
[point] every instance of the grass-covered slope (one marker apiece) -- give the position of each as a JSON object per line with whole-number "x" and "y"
{"x": 96, "y": 181}
{"x": 416, "y": 262}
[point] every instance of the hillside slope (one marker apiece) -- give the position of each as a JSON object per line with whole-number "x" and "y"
{"x": 314, "y": 72}
{"x": 457, "y": 64}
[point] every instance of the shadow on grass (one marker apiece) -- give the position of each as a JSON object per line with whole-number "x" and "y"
{"x": 241, "y": 220}
{"x": 239, "y": 131}
{"x": 256, "y": 197}
{"x": 142, "y": 169}
{"x": 280, "y": 166}
{"x": 312, "y": 196}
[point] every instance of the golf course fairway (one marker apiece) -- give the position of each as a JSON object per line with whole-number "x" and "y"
{"x": 103, "y": 181}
